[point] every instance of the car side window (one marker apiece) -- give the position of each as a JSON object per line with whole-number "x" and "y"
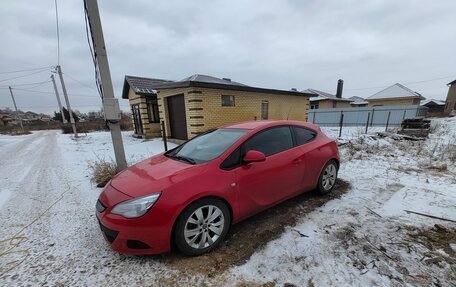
{"x": 270, "y": 141}
{"x": 233, "y": 160}
{"x": 303, "y": 135}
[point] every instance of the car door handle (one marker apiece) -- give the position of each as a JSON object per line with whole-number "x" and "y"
{"x": 296, "y": 161}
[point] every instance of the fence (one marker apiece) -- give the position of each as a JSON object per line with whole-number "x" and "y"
{"x": 365, "y": 116}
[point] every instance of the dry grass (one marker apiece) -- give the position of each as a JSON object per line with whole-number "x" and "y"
{"x": 102, "y": 171}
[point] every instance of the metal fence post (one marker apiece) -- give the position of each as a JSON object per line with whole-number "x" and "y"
{"x": 367, "y": 123}
{"x": 165, "y": 143}
{"x": 387, "y": 121}
{"x": 372, "y": 118}
{"x": 341, "y": 123}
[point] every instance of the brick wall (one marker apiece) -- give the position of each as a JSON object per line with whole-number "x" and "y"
{"x": 150, "y": 129}
{"x": 204, "y": 110}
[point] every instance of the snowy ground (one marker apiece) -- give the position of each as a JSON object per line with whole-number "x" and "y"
{"x": 50, "y": 235}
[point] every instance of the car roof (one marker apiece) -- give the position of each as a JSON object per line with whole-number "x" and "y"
{"x": 259, "y": 125}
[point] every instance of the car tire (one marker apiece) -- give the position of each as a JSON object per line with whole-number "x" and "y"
{"x": 202, "y": 226}
{"x": 328, "y": 177}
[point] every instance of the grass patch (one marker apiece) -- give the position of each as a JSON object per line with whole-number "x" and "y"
{"x": 102, "y": 171}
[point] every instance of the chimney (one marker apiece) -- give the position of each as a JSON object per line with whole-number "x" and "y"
{"x": 340, "y": 86}
{"x": 227, "y": 79}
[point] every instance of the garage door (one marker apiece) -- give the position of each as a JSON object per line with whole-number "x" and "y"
{"x": 176, "y": 117}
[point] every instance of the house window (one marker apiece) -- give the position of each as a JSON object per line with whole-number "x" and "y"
{"x": 314, "y": 107}
{"x": 227, "y": 101}
{"x": 334, "y": 104}
{"x": 152, "y": 111}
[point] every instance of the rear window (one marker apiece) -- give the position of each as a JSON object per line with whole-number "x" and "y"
{"x": 303, "y": 135}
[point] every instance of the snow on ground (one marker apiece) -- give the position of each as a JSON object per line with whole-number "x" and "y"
{"x": 364, "y": 238}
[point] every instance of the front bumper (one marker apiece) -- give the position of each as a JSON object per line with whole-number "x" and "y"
{"x": 148, "y": 234}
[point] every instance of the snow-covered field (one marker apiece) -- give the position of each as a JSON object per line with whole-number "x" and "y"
{"x": 364, "y": 238}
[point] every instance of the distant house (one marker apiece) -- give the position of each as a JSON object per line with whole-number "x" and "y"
{"x": 450, "y": 103}
{"x": 357, "y": 102}
{"x": 435, "y": 107}
{"x": 6, "y": 119}
{"x": 198, "y": 103}
{"x": 395, "y": 95}
{"x": 323, "y": 100}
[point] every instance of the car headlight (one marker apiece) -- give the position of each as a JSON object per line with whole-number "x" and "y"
{"x": 135, "y": 207}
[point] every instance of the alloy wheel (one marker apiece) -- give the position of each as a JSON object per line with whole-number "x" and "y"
{"x": 204, "y": 226}
{"x": 329, "y": 176}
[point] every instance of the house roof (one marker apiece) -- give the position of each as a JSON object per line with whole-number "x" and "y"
{"x": 210, "y": 79}
{"x": 141, "y": 86}
{"x": 432, "y": 102}
{"x": 320, "y": 96}
{"x": 203, "y": 81}
{"x": 395, "y": 91}
{"x": 451, "y": 83}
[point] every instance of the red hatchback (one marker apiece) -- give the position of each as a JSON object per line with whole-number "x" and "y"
{"x": 193, "y": 193}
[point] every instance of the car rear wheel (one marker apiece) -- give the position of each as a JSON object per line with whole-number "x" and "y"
{"x": 202, "y": 226}
{"x": 327, "y": 178}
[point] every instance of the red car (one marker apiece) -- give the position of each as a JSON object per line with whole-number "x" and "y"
{"x": 192, "y": 194}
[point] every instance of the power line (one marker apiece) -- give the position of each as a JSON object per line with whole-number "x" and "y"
{"x": 92, "y": 53}
{"x": 58, "y": 33}
{"x": 28, "y": 84}
{"x": 51, "y": 93}
{"x": 23, "y": 76}
{"x": 82, "y": 83}
{"x": 26, "y": 70}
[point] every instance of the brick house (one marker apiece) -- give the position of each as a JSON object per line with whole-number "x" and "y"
{"x": 142, "y": 95}
{"x": 198, "y": 103}
{"x": 395, "y": 95}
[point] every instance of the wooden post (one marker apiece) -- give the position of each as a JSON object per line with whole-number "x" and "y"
{"x": 341, "y": 123}
{"x": 367, "y": 123}
{"x": 165, "y": 143}
{"x": 403, "y": 117}
{"x": 387, "y": 121}
{"x": 313, "y": 120}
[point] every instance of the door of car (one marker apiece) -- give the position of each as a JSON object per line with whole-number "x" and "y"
{"x": 312, "y": 158}
{"x": 262, "y": 184}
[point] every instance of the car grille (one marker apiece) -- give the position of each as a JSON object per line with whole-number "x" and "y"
{"x": 100, "y": 206}
{"x": 109, "y": 233}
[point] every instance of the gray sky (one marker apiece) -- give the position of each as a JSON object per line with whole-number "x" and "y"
{"x": 273, "y": 44}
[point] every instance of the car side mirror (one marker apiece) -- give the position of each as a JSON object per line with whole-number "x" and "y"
{"x": 254, "y": 156}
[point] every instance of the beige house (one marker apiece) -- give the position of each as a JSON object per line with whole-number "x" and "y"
{"x": 450, "y": 103}
{"x": 323, "y": 100}
{"x": 142, "y": 96}
{"x": 395, "y": 95}
{"x": 198, "y": 103}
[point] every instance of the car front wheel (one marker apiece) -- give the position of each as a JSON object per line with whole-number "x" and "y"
{"x": 327, "y": 178}
{"x": 202, "y": 226}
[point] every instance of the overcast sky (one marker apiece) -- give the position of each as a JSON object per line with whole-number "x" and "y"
{"x": 272, "y": 44}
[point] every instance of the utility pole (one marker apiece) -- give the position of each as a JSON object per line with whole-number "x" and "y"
{"x": 73, "y": 124}
{"x": 110, "y": 103}
{"x": 58, "y": 100}
{"x": 15, "y": 107}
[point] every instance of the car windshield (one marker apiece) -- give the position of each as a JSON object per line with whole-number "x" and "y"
{"x": 207, "y": 146}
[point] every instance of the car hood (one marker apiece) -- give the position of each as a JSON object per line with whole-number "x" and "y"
{"x": 153, "y": 175}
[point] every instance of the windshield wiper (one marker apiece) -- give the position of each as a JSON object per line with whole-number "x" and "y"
{"x": 183, "y": 158}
